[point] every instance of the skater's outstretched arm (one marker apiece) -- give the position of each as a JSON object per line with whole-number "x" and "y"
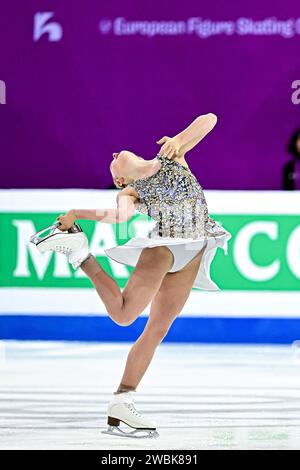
{"x": 125, "y": 209}
{"x": 181, "y": 143}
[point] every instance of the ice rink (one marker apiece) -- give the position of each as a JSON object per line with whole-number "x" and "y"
{"x": 54, "y": 396}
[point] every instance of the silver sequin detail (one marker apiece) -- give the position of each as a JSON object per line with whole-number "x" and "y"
{"x": 175, "y": 200}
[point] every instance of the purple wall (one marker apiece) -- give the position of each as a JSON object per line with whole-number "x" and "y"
{"x": 72, "y": 102}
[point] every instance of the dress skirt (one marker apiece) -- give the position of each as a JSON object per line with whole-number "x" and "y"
{"x": 183, "y": 249}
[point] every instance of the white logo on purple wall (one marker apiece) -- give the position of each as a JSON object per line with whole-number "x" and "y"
{"x": 42, "y": 26}
{"x": 2, "y": 92}
{"x": 105, "y": 25}
{"x": 296, "y": 94}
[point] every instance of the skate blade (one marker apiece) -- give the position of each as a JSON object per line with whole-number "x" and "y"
{"x": 135, "y": 434}
{"x": 39, "y": 236}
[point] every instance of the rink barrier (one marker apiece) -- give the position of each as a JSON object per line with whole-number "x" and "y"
{"x": 184, "y": 330}
{"x": 41, "y": 297}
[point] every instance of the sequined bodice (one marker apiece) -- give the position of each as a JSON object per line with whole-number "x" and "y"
{"x": 175, "y": 200}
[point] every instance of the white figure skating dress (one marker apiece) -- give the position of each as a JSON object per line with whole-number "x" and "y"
{"x": 175, "y": 200}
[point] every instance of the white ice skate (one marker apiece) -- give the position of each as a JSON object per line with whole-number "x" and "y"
{"x": 72, "y": 243}
{"x": 122, "y": 409}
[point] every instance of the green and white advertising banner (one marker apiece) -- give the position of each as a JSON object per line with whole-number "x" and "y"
{"x": 259, "y": 278}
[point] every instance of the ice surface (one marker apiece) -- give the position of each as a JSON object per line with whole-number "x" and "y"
{"x": 54, "y": 396}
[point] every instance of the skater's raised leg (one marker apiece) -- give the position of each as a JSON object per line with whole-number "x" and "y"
{"x": 145, "y": 280}
{"x": 122, "y": 306}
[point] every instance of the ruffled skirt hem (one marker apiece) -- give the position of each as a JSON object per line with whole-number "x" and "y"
{"x": 184, "y": 250}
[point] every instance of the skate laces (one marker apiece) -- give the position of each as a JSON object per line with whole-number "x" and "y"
{"x": 63, "y": 249}
{"x": 131, "y": 408}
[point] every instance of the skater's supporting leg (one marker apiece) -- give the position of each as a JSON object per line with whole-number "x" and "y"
{"x": 124, "y": 307}
{"x": 166, "y": 305}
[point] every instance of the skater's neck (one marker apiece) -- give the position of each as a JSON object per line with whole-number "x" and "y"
{"x": 146, "y": 168}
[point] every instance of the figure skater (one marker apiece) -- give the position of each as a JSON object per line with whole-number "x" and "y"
{"x": 173, "y": 258}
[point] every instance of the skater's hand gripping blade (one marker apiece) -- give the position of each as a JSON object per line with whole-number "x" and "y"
{"x": 73, "y": 243}
{"x": 41, "y": 236}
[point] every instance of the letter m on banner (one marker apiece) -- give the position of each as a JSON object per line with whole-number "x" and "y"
{"x": 2, "y": 92}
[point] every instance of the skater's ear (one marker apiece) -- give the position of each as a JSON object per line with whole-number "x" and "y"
{"x": 119, "y": 183}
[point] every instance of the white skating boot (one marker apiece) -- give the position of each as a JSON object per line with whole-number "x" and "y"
{"x": 122, "y": 408}
{"x": 72, "y": 243}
